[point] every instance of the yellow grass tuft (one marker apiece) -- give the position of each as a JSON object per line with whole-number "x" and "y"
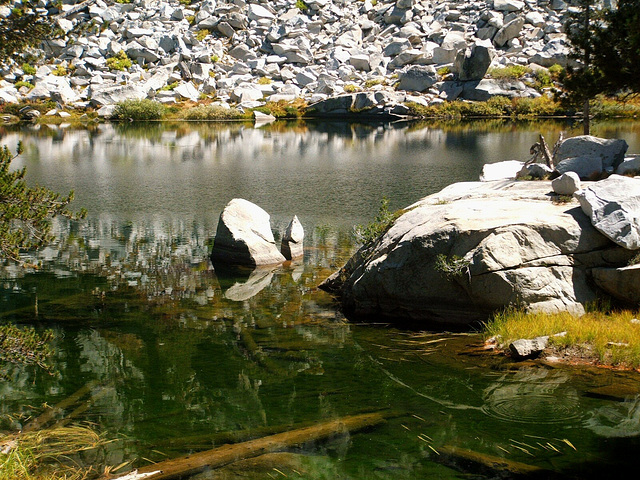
{"x": 613, "y": 338}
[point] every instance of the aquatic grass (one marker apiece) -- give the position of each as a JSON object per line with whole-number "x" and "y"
{"x": 47, "y": 454}
{"x": 494, "y": 107}
{"x": 612, "y": 338}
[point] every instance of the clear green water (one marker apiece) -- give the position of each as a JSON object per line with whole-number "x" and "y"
{"x": 187, "y": 358}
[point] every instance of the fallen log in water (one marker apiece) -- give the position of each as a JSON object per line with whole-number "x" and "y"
{"x": 51, "y": 412}
{"x": 226, "y": 454}
{"x": 457, "y": 457}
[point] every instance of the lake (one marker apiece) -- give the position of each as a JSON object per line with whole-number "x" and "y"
{"x": 181, "y": 358}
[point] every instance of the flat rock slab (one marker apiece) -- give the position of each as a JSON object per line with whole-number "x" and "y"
{"x": 244, "y": 236}
{"x": 613, "y": 205}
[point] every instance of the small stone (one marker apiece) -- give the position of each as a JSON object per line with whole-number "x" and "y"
{"x": 566, "y": 184}
{"x": 528, "y": 348}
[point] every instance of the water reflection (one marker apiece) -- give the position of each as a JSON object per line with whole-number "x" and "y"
{"x": 187, "y": 355}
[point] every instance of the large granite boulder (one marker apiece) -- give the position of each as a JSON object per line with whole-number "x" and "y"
{"x": 613, "y": 205}
{"x": 473, "y": 248}
{"x": 417, "y": 78}
{"x": 473, "y": 63}
{"x": 244, "y": 236}
{"x": 609, "y": 151}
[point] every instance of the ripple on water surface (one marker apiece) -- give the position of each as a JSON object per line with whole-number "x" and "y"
{"x": 532, "y": 396}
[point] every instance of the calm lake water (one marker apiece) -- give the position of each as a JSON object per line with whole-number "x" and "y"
{"x": 182, "y": 358}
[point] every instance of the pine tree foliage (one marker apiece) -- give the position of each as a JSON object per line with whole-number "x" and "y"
{"x": 606, "y": 43}
{"x": 25, "y": 26}
{"x": 26, "y": 212}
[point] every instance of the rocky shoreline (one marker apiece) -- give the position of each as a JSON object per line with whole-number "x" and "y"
{"x": 340, "y": 56}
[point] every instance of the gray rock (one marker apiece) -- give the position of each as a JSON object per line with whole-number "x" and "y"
{"x": 113, "y": 94}
{"x": 535, "y": 171}
{"x": 292, "y": 240}
{"x": 587, "y": 168}
{"x": 613, "y": 205}
{"x": 417, "y": 78}
{"x": 508, "y": 5}
{"x": 489, "y": 87}
{"x": 528, "y": 348}
{"x": 555, "y": 52}
{"x": 566, "y": 184}
{"x": 630, "y": 165}
{"x": 244, "y": 236}
{"x": 609, "y": 151}
{"x": 508, "y": 31}
{"x": 473, "y": 63}
{"x": 622, "y": 283}
{"x": 474, "y": 248}
{"x": 333, "y": 106}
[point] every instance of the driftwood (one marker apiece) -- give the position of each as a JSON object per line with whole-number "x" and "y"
{"x": 546, "y": 153}
{"x": 51, "y": 412}
{"x": 226, "y": 454}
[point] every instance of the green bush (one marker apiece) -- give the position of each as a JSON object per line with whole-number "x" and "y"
{"x": 380, "y": 224}
{"x": 300, "y": 5}
{"x": 213, "y": 112}
{"x": 24, "y": 84}
{"x": 139, "y": 110}
{"x": 509, "y": 73}
{"x": 119, "y": 62}
{"x": 28, "y": 69}
{"x": 443, "y": 71}
{"x": 60, "y": 71}
{"x": 202, "y": 34}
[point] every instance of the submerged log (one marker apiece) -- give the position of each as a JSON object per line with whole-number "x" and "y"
{"x": 226, "y": 454}
{"x": 483, "y": 461}
{"x": 51, "y": 412}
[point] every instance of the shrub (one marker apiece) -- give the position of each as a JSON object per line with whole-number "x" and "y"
{"x": 452, "y": 266}
{"x": 351, "y": 88}
{"x": 169, "y": 86}
{"x": 213, "y": 112}
{"x": 28, "y": 69}
{"x": 24, "y": 84}
{"x": 443, "y": 71}
{"x": 300, "y": 5}
{"x": 139, "y": 110}
{"x": 510, "y": 72}
{"x": 373, "y": 82}
{"x": 119, "y": 62}
{"x": 202, "y": 34}
{"x": 60, "y": 71}
{"x": 284, "y": 109}
{"x": 264, "y": 81}
{"x": 555, "y": 71}
{"x": 380, "y": 224}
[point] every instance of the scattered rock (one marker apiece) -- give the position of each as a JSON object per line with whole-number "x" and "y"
{"x": 528, "y": 348}
{"x": 292, "y": 240}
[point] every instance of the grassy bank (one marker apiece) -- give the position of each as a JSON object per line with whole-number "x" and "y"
{"x": 208, "y": 110}
{"x": 611, "y": 338}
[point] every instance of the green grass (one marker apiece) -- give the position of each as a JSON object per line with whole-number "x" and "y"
{"x": 611, "y": 337}
{"x": 139, "y": 110}
{"x": 22, "y": 83}
{"x": 494, "y": 107}
{"x": 284, "y": 109}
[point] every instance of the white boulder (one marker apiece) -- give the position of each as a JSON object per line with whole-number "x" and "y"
{"x": 244, "y": 236}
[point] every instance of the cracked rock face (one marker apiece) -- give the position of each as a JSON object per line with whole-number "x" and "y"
{"x": 474, "y": 248}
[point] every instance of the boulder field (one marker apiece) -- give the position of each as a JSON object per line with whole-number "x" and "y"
{"x": 476, "y": 247}
{"x": 246, "y": 52}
